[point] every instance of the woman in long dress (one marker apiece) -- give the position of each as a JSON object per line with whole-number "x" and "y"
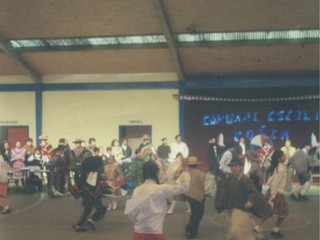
{"x": 173, "y": 172}
{"x": 277, "y": 182}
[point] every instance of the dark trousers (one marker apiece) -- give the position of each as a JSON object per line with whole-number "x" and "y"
{"x": 88, "y": 203}
{"x": 197, "y": 211}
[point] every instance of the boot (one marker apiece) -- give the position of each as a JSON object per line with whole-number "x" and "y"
{"x": 188, "y": 207}
{"x": 109, "y": 204}
{"x": 6, "y": 210}
{"x": 114, "y": 204}
{"x": 173, "y": 204}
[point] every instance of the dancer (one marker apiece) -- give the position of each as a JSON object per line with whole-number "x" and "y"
{"x": 238, "y": 195}
{"x": 289, "y": 151}
{"x": 302, "y": 163}
{"x": 89, "y": 185}
{"x": 195, "y": 196}
{"x": 147, "y": 207}
{"x": 115, "y": 180}
{"x": 226, "y": 159}
{"x": 4, "y": 168}
{"x": 255, "y": 171}
{"x": 275, "y": 196}
{"x": 173, "y": 172}
{"x": 265, "y": 153}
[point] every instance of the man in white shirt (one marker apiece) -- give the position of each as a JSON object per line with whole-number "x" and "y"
{"x": 226, "y": 159}
{"x": 148, "y": 205}
{"x": 178, "y": 147}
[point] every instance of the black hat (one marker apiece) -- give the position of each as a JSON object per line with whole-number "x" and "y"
{"x": 96, "y": 149}
{"x": 78, "y": 140}
{"x": 235, "y": 161}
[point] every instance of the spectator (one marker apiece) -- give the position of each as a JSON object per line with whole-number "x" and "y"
{"x": 164, "y": 151}
{"x": 30, "y": 148}
{"x": 214, "y": 155}
{"x": 126, "y": 149}
{"x": 178, "y": 147}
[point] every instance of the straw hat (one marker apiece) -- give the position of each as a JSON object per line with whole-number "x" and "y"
{"x": 193, "y": 160}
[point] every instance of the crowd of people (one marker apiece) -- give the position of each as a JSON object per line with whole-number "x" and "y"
{"x": 236, "y": 174}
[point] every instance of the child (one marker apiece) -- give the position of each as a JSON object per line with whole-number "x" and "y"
{"x": 115, "y": 180}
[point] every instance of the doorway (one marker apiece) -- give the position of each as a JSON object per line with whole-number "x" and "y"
{"x": 13, "y": 134}
{"x": 134, "y": 134}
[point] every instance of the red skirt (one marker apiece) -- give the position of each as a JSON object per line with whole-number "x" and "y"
{"x": 3, "y": 189}
{"x": 280, "y": 205}
{"x": 148, "y": 236}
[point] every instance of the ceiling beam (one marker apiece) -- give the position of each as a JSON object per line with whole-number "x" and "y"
{"x": 17, "y": 57}
{"x": 159, "y": 7}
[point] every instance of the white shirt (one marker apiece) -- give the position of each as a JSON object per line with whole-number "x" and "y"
{"x": 243, "y": 147}
{"x": 224, "y": 161}
{"x": 148, "y": 206}
{"x": 176, "y": 148}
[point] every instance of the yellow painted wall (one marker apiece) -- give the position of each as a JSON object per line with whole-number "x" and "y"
{"x": 132, "y": 77}
{"x": 84, "y": 114}
{"x": 85, "y": 78}
{"x": 18, "y": 109}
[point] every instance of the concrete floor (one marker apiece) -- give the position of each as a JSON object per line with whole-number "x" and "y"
{"x": 38, "y": 217}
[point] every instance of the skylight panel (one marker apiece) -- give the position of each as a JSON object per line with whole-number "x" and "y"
{"x": 127, "y": 40}
{"x": 248, "y": 36}
{"x": 27, "y": 43}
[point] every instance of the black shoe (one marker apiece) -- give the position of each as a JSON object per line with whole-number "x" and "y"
{"x": 276, "y": 234}
{"x": 90, "y": 224}
{"x": 258, "y": 235}
{"x": 190, "y": 235}
{"x": 303, "y": 198}
{"x": 78, "y": 228}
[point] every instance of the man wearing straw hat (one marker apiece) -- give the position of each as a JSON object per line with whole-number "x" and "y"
{"x": 195, "y": 196}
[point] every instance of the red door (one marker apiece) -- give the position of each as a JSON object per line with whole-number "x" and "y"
{"x": 17, "y": 133}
